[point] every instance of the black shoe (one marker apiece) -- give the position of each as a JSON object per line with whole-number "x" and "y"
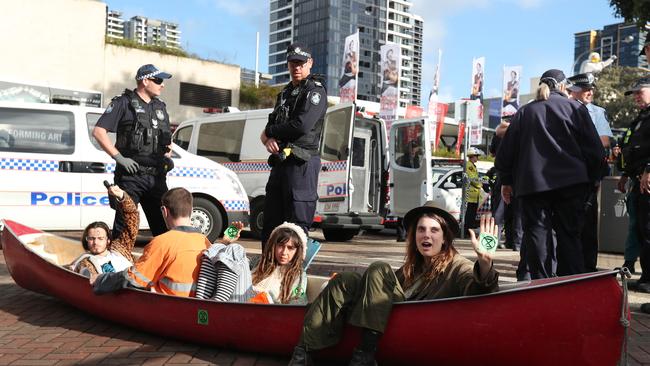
{"x": 643, "y": 287}
{"x": 630, "y": 266}
{"x": 362, "y": 358}
{"x": 300, "y": 357}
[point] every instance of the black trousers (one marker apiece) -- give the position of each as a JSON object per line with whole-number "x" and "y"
{"x": 291, "y": 194}
{"x": 589, "y": 235}
{"x": 643, "y": 230}
{"x": 470, "y": 216}
{"x": 561, "y": 211}
{"x": 147, "y": 190}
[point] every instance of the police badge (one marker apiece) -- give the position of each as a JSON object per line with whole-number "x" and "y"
{"x": 295, "y": 92}
{"x": 159, "y": 114}
{"x": 154, "y": 123}
{"x": 110, "y": 108}
{"x": 315, "y": 98}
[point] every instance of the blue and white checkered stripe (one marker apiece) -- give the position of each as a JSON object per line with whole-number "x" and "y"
{"x": 336, "y": 165}
{"x": 235, "y": 205}
{"x": 29, "y": 164}
{"x": 251, "y": 166}
{"x": 185, "y": 172}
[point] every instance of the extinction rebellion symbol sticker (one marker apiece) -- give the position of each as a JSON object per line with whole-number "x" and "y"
{"x": 202, "y": 317}
{"x": 488, "y": 242}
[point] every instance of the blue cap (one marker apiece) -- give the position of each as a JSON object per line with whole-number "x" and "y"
{"x": 149, "y": 71}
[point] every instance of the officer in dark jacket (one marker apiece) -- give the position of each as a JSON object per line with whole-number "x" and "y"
{"x": 635, "y": 161}
{"x": 141, "y": 149}
{"x": 551, "y": 153}
{"x": 292, "y": 136}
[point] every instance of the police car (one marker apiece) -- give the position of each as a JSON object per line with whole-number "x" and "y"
{"x": 52, "y": 173}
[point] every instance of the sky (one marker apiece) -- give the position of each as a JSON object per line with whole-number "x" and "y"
{"x": 536, "y": 34}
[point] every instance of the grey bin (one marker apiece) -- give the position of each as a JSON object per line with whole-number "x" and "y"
{"x": 613, "y": 217}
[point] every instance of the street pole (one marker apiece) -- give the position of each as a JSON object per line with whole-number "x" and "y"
{"x": 257, "y": 59}
{"x": 463, "y": 204}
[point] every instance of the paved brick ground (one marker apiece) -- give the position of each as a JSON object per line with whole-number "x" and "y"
{"x": 40, "y": 330}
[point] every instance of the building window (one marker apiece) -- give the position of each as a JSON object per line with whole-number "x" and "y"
{"x": 204, "y": 96}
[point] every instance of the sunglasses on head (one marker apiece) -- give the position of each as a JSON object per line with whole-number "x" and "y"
{"x": 157, "y": 80}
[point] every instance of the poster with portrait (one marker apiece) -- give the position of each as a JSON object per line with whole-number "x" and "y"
{"x": 389, "y": 93}
{"x": 511, "y": 79}
{"x": 350, "y": 69}
{"x": 478, "y": 65}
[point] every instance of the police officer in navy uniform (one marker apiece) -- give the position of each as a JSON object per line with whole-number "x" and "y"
{"x": 550, "y": 155}
{"x": 292, "y": 137}
{"x": 635, "y": 161}
{"x": 142, "y": 148}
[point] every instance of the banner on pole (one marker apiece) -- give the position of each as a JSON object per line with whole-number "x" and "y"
{"x": 511, "y": 77}
{"x": 350, "y": 70}
{"x": 478, "y": 65}
{"x": 389, "y": 93}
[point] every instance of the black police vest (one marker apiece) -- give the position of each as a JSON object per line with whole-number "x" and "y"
{"x": 293, "y": 100}
{"x": 145, "y": 138}
{"x": 635, "y": 149}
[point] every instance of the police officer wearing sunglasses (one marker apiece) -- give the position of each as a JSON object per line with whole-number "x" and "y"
{"x": 142, "y": 148}
{"x": 292, "y": 137}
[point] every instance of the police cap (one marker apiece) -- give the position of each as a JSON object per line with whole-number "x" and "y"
{"x": 581, "y": 82}
{"x": 298, "y": 52}
{"x": 149, "y": 71}
{"x": 641, "y": 83}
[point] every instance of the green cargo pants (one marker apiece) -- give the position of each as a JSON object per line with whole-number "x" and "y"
{"x": 364, "y": 301}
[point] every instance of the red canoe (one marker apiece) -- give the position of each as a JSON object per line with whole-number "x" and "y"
{"x": 562, "y": 321}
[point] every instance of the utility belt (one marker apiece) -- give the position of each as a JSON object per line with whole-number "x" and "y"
{"x": 291, "y": 152}
{"x": 142, "y": 170}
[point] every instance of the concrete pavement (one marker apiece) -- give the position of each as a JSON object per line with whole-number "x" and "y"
{"x": 40, "y": 330}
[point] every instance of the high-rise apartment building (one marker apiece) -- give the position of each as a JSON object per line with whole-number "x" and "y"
{"x": 323, "y": 26}
{"x": 114, "y": 24}
{"x": 624, "y": 40}
{"x": 153, "y": 32}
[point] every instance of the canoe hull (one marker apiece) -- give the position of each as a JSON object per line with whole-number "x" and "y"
{"x": 558, "y": 321}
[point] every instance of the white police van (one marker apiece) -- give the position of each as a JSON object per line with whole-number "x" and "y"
{"x": 52, "y": 173}
{"x": 352, "y": 187}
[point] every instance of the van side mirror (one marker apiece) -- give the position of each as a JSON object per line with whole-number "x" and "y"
{"x": 448, "y": 185}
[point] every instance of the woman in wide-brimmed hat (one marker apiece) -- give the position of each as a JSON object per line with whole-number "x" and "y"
{"x": 433, "y": 269}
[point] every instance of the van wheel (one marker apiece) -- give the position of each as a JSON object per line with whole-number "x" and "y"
{"x": 257, "y": 218}
{"x": 339, "y": 234}
{"x": 207, "y": 217}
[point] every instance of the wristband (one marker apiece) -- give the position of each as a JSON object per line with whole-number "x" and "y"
{"x": 487, "y": 243}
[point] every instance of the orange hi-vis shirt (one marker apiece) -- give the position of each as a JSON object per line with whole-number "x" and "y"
{"x": 170, "y": 262}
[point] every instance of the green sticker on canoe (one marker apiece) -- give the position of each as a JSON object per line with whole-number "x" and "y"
{"x": 202, "y": 317}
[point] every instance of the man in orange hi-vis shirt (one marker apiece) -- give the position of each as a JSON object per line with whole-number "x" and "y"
{"x": 170, "y": 262}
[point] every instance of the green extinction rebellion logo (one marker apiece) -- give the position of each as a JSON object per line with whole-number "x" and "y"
{"x": 489, "y": 242}
{"x": 202, "y": 317}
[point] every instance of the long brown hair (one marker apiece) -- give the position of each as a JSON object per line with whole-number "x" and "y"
{"x": 414, "y": 264}
{"x": 268, "y": 264}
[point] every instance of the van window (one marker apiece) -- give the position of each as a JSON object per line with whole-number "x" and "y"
{"x": 220, "y": 141}
{"x": 91, "y": 121}
{"x": 409, "y": 141}
{"x": 182, "y": 137}
{"x": 36, "y": 131}
{"x": 336, "y": 135}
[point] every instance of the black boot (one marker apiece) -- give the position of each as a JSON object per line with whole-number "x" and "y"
{"x": 362, "y": 358}
{"x": 630, "y": 266}
{"x": 300, "y": 357}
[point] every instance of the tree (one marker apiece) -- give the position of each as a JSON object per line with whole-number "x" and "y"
{"x": 637, "y": 11}
{"x": 612, "y": 83}
{"x": 251, "y": 97}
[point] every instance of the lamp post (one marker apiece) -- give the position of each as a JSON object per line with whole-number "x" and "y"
{"x": 627, "y": 39}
